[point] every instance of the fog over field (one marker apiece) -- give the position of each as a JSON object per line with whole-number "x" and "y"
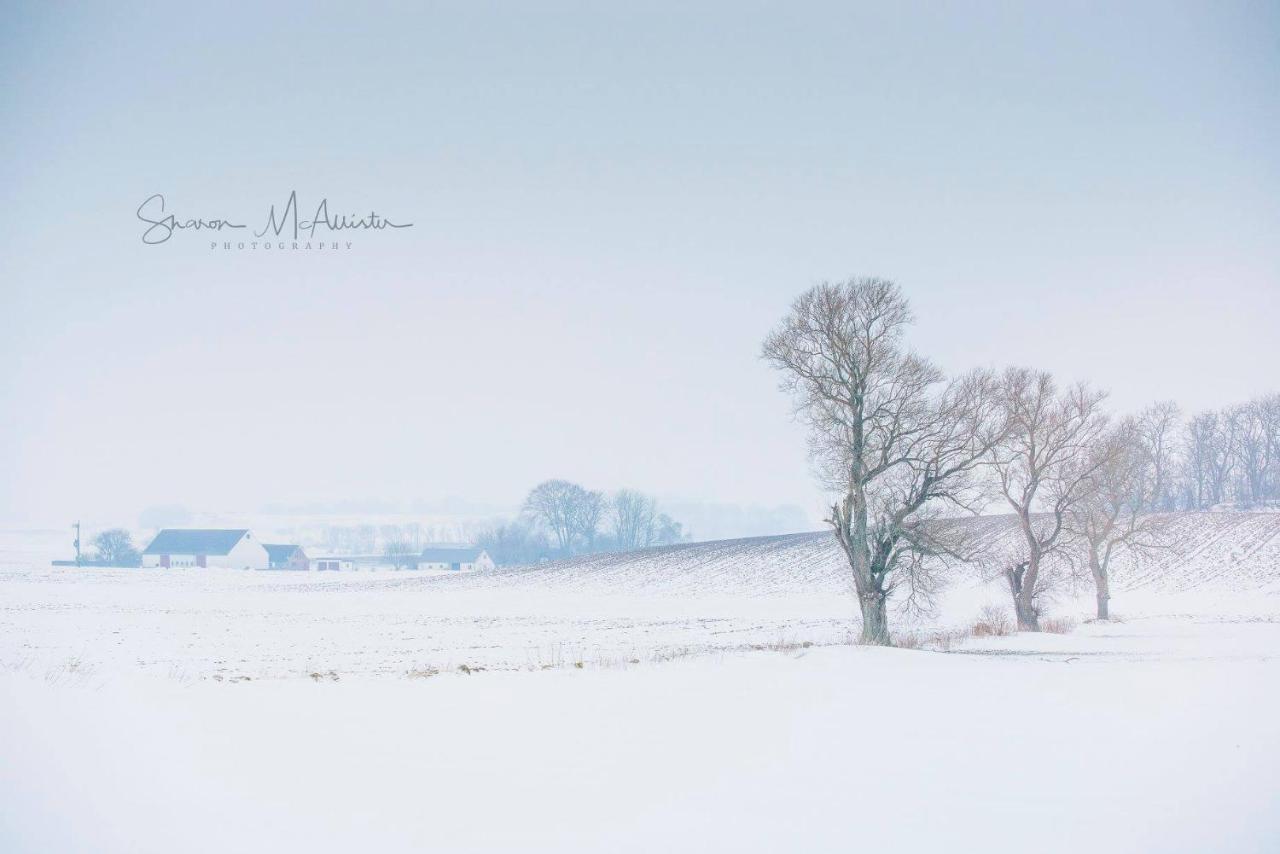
{"x": 610, "y": 210}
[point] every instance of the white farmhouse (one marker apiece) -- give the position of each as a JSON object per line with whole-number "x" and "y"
{"x": 234, "y": 549}
{"x": 464, "y": 558}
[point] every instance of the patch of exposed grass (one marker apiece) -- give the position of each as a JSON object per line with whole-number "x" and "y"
{"x": 426, "y": 671}
{"x": 939, "y": 641}
{"x": 1058, "y": 625}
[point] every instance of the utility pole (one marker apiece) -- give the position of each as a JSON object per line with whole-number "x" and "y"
{"x": 77, "y": 527}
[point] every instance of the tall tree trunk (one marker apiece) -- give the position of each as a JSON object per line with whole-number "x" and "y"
{"x": 875, "y": 618}
{"x": 849, "y": 519}
{"x": 1022, "y": 578}
{"x": 1025, "y": 609}
{"x": 1102, "y": 584}
{"x": 1022, "y": 586}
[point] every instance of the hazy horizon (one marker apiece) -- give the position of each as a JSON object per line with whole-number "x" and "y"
{"x": 610, "y": 210}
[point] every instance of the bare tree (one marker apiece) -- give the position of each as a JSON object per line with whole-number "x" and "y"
{"x": 634, "y": 516}
{"x": 1269, "y": 411}
{"x": 401, "y": 553}
{"x": 1110, "y": 516}
{"x": 1256, "y": 424}
{"x": 552, "y": 504}
{"x": 513, "y": 542}
{"x": 1211, "y": 456}
{"x": 881, "y": 436}
{"x": 114, "y": 547}
{"x": 1156, "y": 431}
{"x": 1199, "y": 444}
{"x": 570, "y": 513}
{"x": 667, "y": 530}
{"x": 1041, "y": 472}
{"x": 587, "y": 518}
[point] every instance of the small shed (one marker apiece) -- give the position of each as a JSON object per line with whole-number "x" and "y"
{"x": 286, "y": 556}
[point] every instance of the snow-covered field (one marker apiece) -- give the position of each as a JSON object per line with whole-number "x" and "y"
{"x": 701, "y": 697}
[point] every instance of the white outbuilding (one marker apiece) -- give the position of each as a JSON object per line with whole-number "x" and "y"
{"x": 462, "y": 558}
{"x": 200, "y": 547}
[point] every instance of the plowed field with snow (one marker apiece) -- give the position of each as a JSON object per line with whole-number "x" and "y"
{"x": 653, "y": 605}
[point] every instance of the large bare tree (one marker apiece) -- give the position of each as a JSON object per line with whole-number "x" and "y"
{"x": 570, "y": 512}
{"x": 886, "y": 435}
{"x": 1043, "y": 470}
{"x": 1110, "y": 516}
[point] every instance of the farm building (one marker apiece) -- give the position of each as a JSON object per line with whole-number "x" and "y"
{"x": 200, "y": 547}
{"x": 323, "y": 564}
{"x": 281, "y": 556}
{"x": 357, "y": 562}
{"x": 464, "y": 558}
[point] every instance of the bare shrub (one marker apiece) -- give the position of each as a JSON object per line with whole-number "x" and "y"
{"x": 993, "y": 621}
{"x": 908, "y": 640}
{"x": 943, "y": 641}
{"x": 1060, "y": 625}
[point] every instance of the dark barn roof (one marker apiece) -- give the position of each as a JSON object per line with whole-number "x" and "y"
{"x": 195, "y": 541}
{"x": 446, "y": 554}
{"x": 280, "y": 552}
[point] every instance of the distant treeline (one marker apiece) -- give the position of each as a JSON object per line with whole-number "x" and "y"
{"x": 563, "y": 519}
{"x": 1226, "y": 457}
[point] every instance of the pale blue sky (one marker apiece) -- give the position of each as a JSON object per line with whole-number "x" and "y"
{"x": 611, "y": 206}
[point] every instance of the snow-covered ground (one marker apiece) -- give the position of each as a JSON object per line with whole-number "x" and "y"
{"x": 1156, "y": 736}
{"x": 718, "y": 706}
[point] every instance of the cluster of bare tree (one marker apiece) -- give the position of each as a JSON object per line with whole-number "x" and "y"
{"x": 350, "y": 539}
{"x": 561, "y": 519}
{"x": 902, "y": 448}
{"x": 402, "y": 552}
{"x": 1230, "y": 457}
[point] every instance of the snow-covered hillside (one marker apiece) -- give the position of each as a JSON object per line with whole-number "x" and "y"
{"x": 1215, "y": 551}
